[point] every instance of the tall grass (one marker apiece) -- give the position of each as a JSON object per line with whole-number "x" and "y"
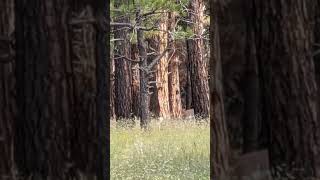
{"x": 170, "y": 150}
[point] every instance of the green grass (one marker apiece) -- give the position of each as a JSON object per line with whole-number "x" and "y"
{"x": 176, "y": 150}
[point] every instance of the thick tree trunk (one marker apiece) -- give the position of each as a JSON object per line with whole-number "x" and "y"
{"x": 173, "y": 78}
{"x": 60, "y": 89}
{"x": 123, "y": 98}
{"x": 162, "y": 69}
{"x": 7, "y": 89}
{"x": 285, "y": 31}
{"x": 251, "y": 117}
{"x": 219, "y": 142}
{"x": 199, "y": 70}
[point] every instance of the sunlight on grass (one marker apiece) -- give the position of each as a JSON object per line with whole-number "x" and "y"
{"x": 176, "y": 150}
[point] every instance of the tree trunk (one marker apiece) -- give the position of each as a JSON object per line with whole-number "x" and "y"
{"x": 7, "y": 89}
{"x": 123, "y": 98}
{"x": 251, "y": 117}
{"x": 285, "y": 36}
{"x": 233, "y": 58}
{"x": 188, "y": 87}
{"x": 199, "y": 70}
{"x": 173, "y": 78}
{"x": 62, "y": 94}
{"x": 144, "y": 91}
{"x": 135, "y": 81}
{"x": 219, "y": 142}
{"x": 162, "y": 69}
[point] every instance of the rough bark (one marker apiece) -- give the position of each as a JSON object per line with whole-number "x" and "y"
{"x": 60, "y": 102}
{"x": 233, "y": 58}
{"x": 7, "y": 89}
{"x": 123, "y": 98}
{"x": 285, "y": 39}
{"x": 199, "y": 70}
{"x": 219, "y": 142}
{"x": 144, "y": 91}
{"x": 162, "y": 69}
{"x": 173, "y": 77}
{"x": 135, "y": 81}
{"x": 251, "y": 124}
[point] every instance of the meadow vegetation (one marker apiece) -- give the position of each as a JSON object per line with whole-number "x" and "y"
{"x": 169, "y": 150}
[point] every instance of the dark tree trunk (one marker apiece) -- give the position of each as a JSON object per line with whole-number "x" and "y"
{"x": 135, "y": 81}
{"x": 62, "y": 94}
{"x": 144, "y": 91}
{"x": 219, "y": 141}
{"x": 284, "y": 39}
{"x": 233, "y": 58}
{"x": 123, "y": 98}
{"x": 188, "y": 87}
{"x": 7, "y": 89}
{"x": 251, "y": 117}
{"x": 199, "y": 70}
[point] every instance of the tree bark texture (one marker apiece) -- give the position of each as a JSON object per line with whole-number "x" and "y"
{"x": 199, "y": 70}
{"x": 162, "y": 69}
{"x": 233, "y": 58}
{"x": 135, "y": 81}
{"x": 284, "y": 40}
{"x": 59, "y": 100}
{"x": 219, "y": 141}
{"x": 173, "y": 77}
{"x": 7, "y": 89}
{"x": 144, "y": 90}
{"x": 123, "y": 98}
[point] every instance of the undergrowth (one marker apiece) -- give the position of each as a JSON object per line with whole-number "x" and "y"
{"x": 170, "y": 150}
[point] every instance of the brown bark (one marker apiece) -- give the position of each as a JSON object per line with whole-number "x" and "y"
{"x": 7, "y": 89}
{"x": 219, "y": 142}
{"x": 135, "y": 81}
{"x": 285, "y": 36}
{"x": 62, "y": 92}
{"x": 233, "y": 58}
{"x": 199, "y": 71}
{"x": 251, "y": 118}
{"x": 173, "y": 78}
{"x": 123, "y": 99}
{"x": 162, "y": 69}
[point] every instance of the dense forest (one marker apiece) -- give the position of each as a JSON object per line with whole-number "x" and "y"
{"x": 251, "y": 67}
{"x": 160, "y": 53}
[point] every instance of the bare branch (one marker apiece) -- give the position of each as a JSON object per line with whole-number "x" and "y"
{"x": 155, "y": 60}
{"x": 121, "y": 24}
{"x": 126, "y": 58}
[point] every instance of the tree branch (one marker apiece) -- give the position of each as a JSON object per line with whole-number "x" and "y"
{"x": 155, "y": 60}
{"x": 126, "y": 58}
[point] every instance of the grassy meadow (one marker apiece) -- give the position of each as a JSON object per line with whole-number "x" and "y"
{"x": 177, "y": 150}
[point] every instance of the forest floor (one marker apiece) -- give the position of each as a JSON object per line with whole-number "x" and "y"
{"x": 173, "y": 150}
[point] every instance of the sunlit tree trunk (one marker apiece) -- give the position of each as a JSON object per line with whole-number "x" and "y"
{"x": 173, "y": 77}
{"x": 162, "y": 69}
